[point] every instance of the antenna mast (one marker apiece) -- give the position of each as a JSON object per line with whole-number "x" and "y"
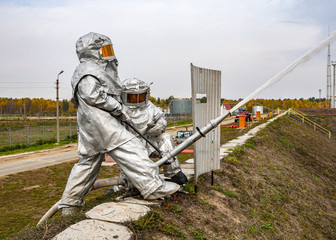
{"x": 328, "y": 100}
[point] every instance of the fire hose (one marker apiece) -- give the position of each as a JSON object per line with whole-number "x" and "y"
{"x": 210, "y": 126}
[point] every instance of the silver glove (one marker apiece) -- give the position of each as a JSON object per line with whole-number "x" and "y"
{"x": 155, "y": 129}
{"x": 122, "y": 114}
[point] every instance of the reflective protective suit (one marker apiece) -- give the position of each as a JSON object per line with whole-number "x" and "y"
{"x": 96, "y": 92}
{"x": 149, "y": 121}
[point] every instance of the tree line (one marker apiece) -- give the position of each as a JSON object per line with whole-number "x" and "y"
{"x": 35, "y": 106}
{"x": 282, "y": 103}
{"x": 41, "y": 106}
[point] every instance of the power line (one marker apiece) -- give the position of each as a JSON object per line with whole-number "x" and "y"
{"x": 28, "y": 82}
{"x": 25, "y": 87}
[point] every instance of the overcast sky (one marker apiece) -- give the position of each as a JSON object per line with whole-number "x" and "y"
{"x": 249, "y": 41}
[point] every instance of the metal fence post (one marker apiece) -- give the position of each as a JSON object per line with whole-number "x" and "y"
{"x": 10, "y": 137}
{"x": 27, "y": 135}
{"x": 43, "y": 132}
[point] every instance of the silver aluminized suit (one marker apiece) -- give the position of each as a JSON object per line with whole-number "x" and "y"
{"x": 96, "y": 92}
{"x": 141, "y": 117}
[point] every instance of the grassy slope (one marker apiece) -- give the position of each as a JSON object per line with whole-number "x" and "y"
{"x": 281, "y": 185}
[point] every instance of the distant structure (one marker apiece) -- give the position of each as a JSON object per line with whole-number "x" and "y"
{"x": 257, "y": 109}
{"x": 227, "y": 106}
{"x": 224, "y": 108}
{"x": 328, "y": 100}
{"x": 181, "y": 106}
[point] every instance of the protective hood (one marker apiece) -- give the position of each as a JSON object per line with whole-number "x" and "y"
{"x": 96, "y": 47}
{"x": 96, "y": 56}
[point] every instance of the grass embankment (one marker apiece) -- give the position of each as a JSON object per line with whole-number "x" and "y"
{"x": 281, "y": 185}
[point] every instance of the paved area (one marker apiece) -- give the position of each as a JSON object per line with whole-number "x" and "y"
{"x": 28, "y": 161}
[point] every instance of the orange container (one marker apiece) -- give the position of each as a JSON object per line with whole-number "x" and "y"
{"x": 242, "y": 121}
{"x": 258, "y": 115}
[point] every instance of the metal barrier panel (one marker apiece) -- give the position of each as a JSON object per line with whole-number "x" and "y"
{"x": 206, "y": 97}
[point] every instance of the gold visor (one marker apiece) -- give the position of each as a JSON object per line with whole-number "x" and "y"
{"x": 136, "y": 98}
{"x": 107, "y": 51}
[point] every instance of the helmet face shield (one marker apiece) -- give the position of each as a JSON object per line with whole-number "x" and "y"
{"x": 135, "y": 99}
{"x": 107, "y": 51}
{"x": 135, "y": 93}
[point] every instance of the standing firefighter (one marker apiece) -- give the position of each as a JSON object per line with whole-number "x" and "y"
{"x": 96, "y": 92}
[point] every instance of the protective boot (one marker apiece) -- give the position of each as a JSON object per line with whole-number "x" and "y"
{"x": 67, "y": 211}
{"x": 165, "y": 190}
{"x": 114, "y": 189}
{"x": 179, "y": 178}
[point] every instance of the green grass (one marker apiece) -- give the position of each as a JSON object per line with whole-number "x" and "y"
{"x": 225, "y": 191}
{"x": 179, "y": 124}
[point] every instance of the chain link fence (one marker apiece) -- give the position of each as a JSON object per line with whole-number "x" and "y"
{"x": 29, "y": 135}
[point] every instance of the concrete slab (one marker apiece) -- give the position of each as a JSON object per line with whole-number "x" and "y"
{"x": 229, "y": 145}
{"x": 118, "y": 212}
{"x": 224, "y": 154}
{"x": 187, "y": 166}
{"x": 132, "y": 200}
{"x": 190, "y": 161}
{"x": 108, "y": 163}
{"x": 93, "y": 229}
{"x": 188, "y": 172}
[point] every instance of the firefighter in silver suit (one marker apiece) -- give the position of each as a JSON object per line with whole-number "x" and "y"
{"x": 96, "y": 91}
{"x": 151, "y": 123}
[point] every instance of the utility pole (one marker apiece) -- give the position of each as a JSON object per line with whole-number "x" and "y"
{"x": 57, "y": 108}
{"x": 333, "y": 89}
{"x": 320, "y": 96}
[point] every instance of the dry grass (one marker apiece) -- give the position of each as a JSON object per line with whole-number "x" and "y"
{"x": 284, "y": 188}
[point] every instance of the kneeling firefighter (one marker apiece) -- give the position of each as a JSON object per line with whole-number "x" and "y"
{"x": 151, "y": 124}
{"x": 96, "y": 92}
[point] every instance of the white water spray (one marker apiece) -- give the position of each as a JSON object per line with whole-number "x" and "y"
{"x": 287, "y": 70}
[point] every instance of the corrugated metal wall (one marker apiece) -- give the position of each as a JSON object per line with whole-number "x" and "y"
{"x": 206, "y": 87}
